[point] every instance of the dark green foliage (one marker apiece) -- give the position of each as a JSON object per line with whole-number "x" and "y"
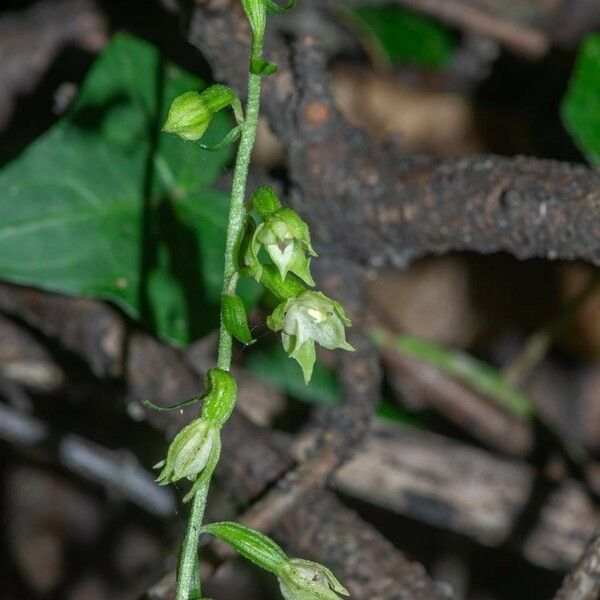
{"x": 393, "y": 35}
{"x": 581, "y": 106}
{"x": 104, "y": 206}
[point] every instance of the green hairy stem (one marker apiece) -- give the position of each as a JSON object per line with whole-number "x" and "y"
{"x": 237, "y": 215}
{"x": 304, "y": 317}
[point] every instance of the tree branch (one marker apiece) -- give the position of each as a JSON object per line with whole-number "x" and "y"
{"x": 391, "y": 207}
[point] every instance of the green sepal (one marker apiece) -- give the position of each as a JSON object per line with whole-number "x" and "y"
{"x": 220, "y": 397}
{"x": 188, "y": 116}
{"x": 235, "y": 319}
{"x": 190, "y": 113}
{"x": 308, "y": 318}
{"x": 189, "y": 452}
{"x": 265, "y": 201}
{"x": 286, "y": 238}
{"x": 251, "y": 544}
{"x": 306, "y": 356}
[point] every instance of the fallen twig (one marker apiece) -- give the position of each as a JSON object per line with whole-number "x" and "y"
{"x": 117, "y": 471}
{"x": 583, "y": 582}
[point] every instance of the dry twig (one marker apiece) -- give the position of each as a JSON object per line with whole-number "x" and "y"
{"x": 583, "y": 582}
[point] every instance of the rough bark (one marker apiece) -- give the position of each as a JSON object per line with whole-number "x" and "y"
{"x": 391, "y": 207}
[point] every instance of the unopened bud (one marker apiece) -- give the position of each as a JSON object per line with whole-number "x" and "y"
{"x": 190, "y": 113}
{"x": 221, "y": 393}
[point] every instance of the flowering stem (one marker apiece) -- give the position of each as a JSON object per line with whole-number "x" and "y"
{"x": 189, "y": 549}
{"x": 237, "y": 210}
{"x": 237, "y": 216}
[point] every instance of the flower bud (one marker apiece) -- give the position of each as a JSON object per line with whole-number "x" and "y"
{"x": 306, "y": 580}
{"x": 220, "y": 397}
{"x": 265, "y": 201}
{"x": 190, "y": 113}
{"x": 309, "y": 318}
{"x": 286, "y": 238}
{"x": 256, "y": 12}
{"x": 189, "y": 452}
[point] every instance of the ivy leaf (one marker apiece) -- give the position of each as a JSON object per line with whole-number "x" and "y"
{"x": 581, "y": 106}
{"x": 105, "y": 206}
{"x": 392, "y": 35}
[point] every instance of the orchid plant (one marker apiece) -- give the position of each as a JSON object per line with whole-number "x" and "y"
{"x": 277, "y": 252}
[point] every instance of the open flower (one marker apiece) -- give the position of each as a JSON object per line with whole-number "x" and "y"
{"x": 189, "y": 452}
{"x": 306, "y": 580}
{"x": 309, "y": 318}
{"x": 286, "y": 238}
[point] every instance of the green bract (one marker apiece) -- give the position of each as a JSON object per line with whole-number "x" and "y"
{"x": 256, "y": 11}
{"x": 253, "y": 545}
{"x": 189, "y": 452}
{"x": 286, "y": 238}
{"x": 306, "y": 580}
{"x": 190, "y": 113}
{"x": 309, "y": 318}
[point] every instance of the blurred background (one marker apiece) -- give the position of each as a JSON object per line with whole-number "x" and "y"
{"x": 482, "y": 463}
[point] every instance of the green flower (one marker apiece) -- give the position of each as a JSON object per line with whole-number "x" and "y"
{"x": 286, "y": 238}
{"x": 306, "y": 580}
{"x": 189, "y": 452}
{"x": 309, "y": 318}
{"x": 190, "y": 113}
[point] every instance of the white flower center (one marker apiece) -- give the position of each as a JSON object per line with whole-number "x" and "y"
{"x": 318, "y": 316}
